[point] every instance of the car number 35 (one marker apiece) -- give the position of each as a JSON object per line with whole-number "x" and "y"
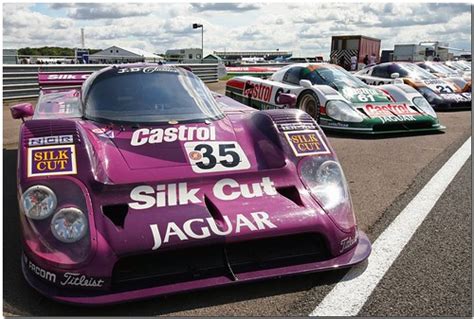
{"x": 216, "y": 156}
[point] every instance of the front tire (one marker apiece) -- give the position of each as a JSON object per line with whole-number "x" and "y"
{"x": 309, "y": 102}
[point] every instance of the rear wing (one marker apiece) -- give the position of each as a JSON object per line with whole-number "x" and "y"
{"x": 53, "y": 82}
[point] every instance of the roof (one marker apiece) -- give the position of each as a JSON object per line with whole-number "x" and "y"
{"x": 135, "y": 51}
{"x": 354, "y": 37}
{"x": 141, "y": 52}
{"x": 212, "y": 56}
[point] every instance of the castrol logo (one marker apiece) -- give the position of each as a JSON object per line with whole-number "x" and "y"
{"x": 258, "y": 91}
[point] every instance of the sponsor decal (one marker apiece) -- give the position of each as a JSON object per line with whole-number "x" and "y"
{"x": 463, "y": 97}
{"x": 172, "y": 134}
{"x": 216, "y": 156}
{"x": 51, "y": 160}
{"x": 50, "y": 140}
{"x": 68, "y": 76}
{"x": 103, "y": 132}
{"x": 37, "y": 270}
{"x": 400, "y": 118}
{"x": 439, "y": 86}
{"x": 304, "y": 143}
{"x": 258, "y": 91}
{"x": 296, "y": 126}
{"x": 363, "y": 94}
{"x": 200, "y": 228}
{"x": 348, "y": 242}
{"x": 76, "y": 279}
{"x": 177, "y": 194}
{"x": 375, "y": 111}
{"x": 148, "y": 69}
{"x": 335, "y": 124}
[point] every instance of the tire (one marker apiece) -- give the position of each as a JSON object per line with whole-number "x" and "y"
{"x": 308, "y": 102}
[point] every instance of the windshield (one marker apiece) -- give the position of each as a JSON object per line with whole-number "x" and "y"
{"x": 459, "y": 66}
{"x": 440, "y": 68}
{"x": 335, "y": 77}
{"x": 149, "y": 95}
{"x": 411, "y": 70}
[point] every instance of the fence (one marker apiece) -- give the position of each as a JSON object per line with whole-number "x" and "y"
{"x": 21, "y": 81}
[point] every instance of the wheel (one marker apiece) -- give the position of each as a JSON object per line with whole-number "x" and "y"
{"x": 309, "y": 102}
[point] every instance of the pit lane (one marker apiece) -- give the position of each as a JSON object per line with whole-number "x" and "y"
{"x": 383, "y": 173}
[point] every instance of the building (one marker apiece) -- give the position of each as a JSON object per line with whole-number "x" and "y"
{"x": 343, "y": 47}
{"x": 232, "y": 56}
{"x": 189, "y": 55}
{"x": 115, "y": 54}
{"x": 212, "y": 58}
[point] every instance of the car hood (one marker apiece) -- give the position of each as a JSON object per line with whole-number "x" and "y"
{"x": 124, "y": 155}
{"x": 363, "y": 94}
{"x": 443, "y": 85}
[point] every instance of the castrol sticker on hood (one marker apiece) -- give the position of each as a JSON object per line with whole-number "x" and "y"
{"x": 375, "y": 111}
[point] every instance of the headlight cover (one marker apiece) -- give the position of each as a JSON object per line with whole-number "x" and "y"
{"x": 69, "y": 225}
{"x": 424, "y": 106}
{"x": 341, "y": 111}
{"x": 326, "y": 182}
{"x": 38, "y": 202}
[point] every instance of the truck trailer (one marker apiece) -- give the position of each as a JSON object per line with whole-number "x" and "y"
{"x": 343, "y": 47}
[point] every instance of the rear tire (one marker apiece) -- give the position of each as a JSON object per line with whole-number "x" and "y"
{"x": 309, "y": 102}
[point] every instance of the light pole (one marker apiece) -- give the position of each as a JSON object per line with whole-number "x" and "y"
{"x": 197, "y": 26}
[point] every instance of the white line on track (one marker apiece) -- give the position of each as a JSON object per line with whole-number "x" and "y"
{"x": 350, "y": 294}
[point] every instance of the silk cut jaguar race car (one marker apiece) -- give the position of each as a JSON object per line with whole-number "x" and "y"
{"x": 338, "y": 101}
{"x": 143, "y": 182}
{"x": 440, "y": 93}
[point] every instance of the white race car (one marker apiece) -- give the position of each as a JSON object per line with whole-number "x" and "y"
{"x": 440, "y": 93}
{"x": 338, "y": 100}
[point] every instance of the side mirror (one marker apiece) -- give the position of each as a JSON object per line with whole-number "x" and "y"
{"x": 20, "y": 111}
{"x": 286, "y": 99}
{"x": 306, "y": 84}
{"x": 395, "y": 75}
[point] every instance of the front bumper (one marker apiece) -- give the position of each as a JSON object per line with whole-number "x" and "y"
{"x": 355, "y": 255}
{"x": 447, "y": 105}
{"x": 383, "y": 130}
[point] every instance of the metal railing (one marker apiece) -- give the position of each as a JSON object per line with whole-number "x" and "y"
{"x": 20, "y": 81}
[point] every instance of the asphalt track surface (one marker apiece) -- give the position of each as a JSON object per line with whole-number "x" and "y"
{"x": 431, "y": 276}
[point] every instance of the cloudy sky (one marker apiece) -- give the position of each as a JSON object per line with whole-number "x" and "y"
{"x": 303, "y": 28}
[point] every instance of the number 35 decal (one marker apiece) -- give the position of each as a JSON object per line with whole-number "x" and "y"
{"x": 216, "y": 156}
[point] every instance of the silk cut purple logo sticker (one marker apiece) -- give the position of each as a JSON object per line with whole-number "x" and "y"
{"x": 304, "y": 143}
{"x": 51, "y": 160}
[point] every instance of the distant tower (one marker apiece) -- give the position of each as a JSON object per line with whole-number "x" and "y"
{"x": 82, "y": 39}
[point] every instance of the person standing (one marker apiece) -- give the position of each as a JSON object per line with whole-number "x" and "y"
{"x": 372, "y": 59}
{"x": 366, "y": 60}
{"x": 353, "y": 63}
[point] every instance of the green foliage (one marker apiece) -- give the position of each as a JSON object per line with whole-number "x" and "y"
{"x": 51, "y": 51}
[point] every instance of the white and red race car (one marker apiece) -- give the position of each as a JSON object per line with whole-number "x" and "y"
{"x": 338, "y": 100}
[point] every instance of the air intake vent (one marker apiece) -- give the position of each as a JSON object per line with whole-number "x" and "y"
{"x": 43, "y": 128}
{"x": 291, "y": 192}
{"x": 116, "y": 213}
{"x": 292, "y": 121}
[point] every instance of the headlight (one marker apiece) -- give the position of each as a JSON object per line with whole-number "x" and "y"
{"x": 431, "y": 96}
{"x": 341, "y": 111}
{"x": 424, "y": 106}
{"x": 326, "y": 182}
{"x": 38, "y": 202}
{"x": 69, "y": 225}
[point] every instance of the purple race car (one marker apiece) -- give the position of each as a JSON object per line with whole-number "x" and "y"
{"x": 143, "y": 182}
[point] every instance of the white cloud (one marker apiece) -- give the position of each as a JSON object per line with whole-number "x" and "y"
{"x": 304, "y": 28}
